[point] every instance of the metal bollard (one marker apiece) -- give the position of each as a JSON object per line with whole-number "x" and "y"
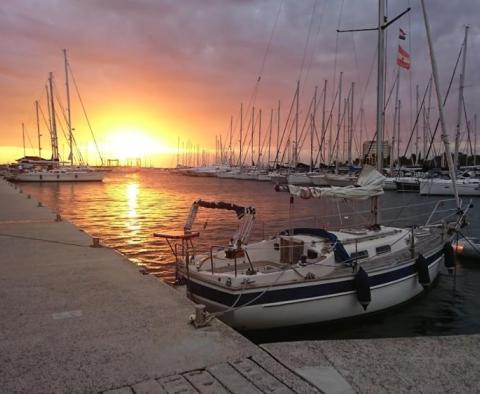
{"x": 58, "y": 218}
{"x": 96, "y": 243}
{"x": 29, "y": 196}
{"x": 39, "y": 204}
{"x": 200, "y": 316}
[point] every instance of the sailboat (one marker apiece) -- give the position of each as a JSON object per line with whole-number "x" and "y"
{"x": 311, "y": 275}
{"x": 53, "y": 170}
{"x": 465, "y": 184}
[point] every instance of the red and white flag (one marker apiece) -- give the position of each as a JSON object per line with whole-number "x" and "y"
{"x": 403, "y": 59}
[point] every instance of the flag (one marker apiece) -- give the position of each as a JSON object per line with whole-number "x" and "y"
{"x": 403, "y": 59}
{"x": 402, "y": 35}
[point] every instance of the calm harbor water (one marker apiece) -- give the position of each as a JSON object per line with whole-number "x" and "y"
{"x": 126, "y": 209}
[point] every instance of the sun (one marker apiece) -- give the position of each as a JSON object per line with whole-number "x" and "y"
{"x": 129, "y": 143}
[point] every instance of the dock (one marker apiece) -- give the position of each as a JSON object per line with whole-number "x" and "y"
{"x": 79, "y": 318}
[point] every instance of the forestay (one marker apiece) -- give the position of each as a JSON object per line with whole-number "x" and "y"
{"x": 368, "y": 185}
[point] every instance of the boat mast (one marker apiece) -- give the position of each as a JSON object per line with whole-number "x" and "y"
{"x": 230, "y": 150}
{"x": 416, "y": 125}
{"x": 380, "y": 100}
{"x": 380, "y": 88}
{"x": 398, "y": 132}
{"x": 475, "y": 140}
{"x": 445, "y": 141}
{"x": 395, "y": 115}
{"x": 23, "y": 139}
{"x": 460, "y": 99}
{"x": 54, "y": 122}
{"x": 270, "y": 138}
{"x": 350, "y": 137}
{"x": 260, "y": 148}
{"x": 323, "y": 117}
{"x": 295, "y": 153}
{"x": 241, "y": 135}
{"x": 312, "y": 127}
{"x": 38, "y": 130}
{"x": 253, "y": 131}
{"x": 339, "y": 121}
{"x": 69, "y": 114}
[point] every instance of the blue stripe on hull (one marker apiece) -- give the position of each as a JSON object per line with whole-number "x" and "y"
{"x": 303, "y": 292}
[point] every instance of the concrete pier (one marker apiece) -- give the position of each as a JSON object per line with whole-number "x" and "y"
{"x": 77, "y": 318}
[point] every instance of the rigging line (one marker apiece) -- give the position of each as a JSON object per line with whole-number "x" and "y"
{"x": 444, "y": 101}
{"x": 284, "y": 129}
{"x": 418, "y": 116}
{"x": 253, "y": 96}
{"x": 315, "y": 45}
{"x": 329, "y": 120}
{"x": 60, "y": 102}
{"x": 28, "y": 137}
{"x": 44, "y": 119}
{"x": 362, "y": 100}
{"x": 307, "y": 41}
{"x": 336, "y": 47}
{"x": 468, "y": 142}
{"x": 267, "y": 50}
{"x": 410, "y": 74}
{"x": 43, "y": 240}
{"x": 57, "y": 98}
{"x": 302, "y": 138}
{"x": 342, "y": 118}
{"x": 85, "y": 112}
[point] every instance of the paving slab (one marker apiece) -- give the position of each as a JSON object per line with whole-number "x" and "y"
{"x": 204, "y": 382}
{"x": 148, "y": 387}
{"x": 259, "y": 377}
{"x": 400, "y": 365}
{"x": 232, "y": 379}
{"x": 286, "y": 376}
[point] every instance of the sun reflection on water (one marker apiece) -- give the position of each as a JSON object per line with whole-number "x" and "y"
{"x": 132, "y": 192}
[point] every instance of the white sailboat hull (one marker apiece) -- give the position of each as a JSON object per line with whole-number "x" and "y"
{"x": 264, "y": 178}
{"x": 318, "y": 180}
{"x": 299, "y": 179}
{"x": 444, "y": 187}
{"x": 389, "y": 184}
{"x": 340, "y": 180}
{"x": 323, "y": 308}
{"x": 68, "y": 176}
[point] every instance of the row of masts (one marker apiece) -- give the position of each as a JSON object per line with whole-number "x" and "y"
{"x": 52, "y": 119}
{"x": 265, "y": 142}
{"x": 333, "y": 142}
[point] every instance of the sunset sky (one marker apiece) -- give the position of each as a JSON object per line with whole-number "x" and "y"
{"x": 150, "y": 71}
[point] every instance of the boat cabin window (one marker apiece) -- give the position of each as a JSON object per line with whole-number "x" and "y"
{"x": 361, "y": 254}
{"x": 383, "y": 249}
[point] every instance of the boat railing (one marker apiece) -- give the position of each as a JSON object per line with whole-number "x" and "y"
{"x": 438, "y": 205}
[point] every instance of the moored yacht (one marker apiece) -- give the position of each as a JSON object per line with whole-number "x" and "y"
{"x": 311, "y": 275}
{"x": 444, "y": 187}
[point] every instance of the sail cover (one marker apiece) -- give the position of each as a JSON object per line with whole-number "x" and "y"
{"x": 369, "y": 184}
{"x": 239, "y": 210}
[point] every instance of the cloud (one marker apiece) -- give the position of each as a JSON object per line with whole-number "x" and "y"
{"x": 200, "y": 59}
